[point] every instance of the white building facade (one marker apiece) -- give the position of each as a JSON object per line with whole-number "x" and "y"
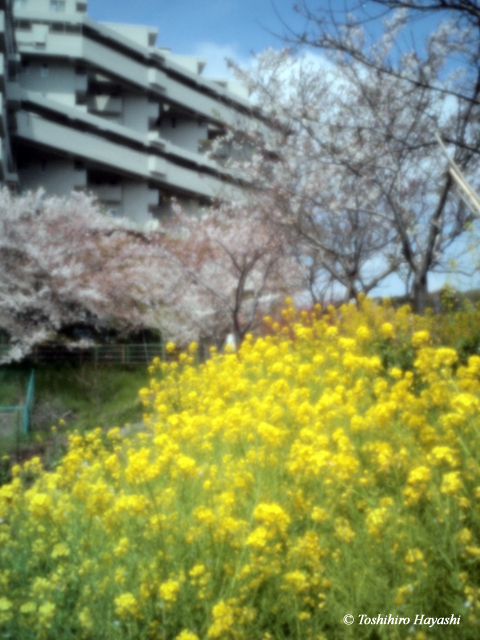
{"x": 99, "y": 107}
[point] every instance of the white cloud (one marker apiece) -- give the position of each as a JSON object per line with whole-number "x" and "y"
{"x": 215, "y": 56}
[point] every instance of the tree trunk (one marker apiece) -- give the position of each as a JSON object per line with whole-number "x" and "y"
{"x": 420, "y": 293}
{"x": 351, "y": 292}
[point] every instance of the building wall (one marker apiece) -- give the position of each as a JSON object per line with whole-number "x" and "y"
{"x": 8, "y": 69}
{"x": 143, "y": 36}
{"x": 137, "y": 200}
{"x": 50, "y": 78}
{"x": 51, "y": 6}
{"x": 100, "y": 107}
{"x": 184, "y": 131}
{"x": 55, "y": 175}
{"x": 139, "y": 114}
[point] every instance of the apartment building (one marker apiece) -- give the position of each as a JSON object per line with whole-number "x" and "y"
{"x": 99, "y": 107}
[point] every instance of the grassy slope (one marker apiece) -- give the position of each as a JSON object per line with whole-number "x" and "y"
{"x": 84, "y": 397}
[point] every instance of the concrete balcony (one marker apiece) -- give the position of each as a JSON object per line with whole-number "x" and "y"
{"x": 115, "y": 156}
{"x": 110, "y": 62}
{"x": 157, "y": 79}
{"x": 157, "y": 166}
{"x": 155, "y": 139}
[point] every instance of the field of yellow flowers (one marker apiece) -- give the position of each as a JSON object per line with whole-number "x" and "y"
{"x": 326, "y": 472}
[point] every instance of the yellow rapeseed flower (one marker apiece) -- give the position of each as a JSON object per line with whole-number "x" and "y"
{"x": 126, "y": 605}
{"x": 169, "y": 590}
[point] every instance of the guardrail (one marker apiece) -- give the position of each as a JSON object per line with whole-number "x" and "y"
{"x": 105, "y": 354}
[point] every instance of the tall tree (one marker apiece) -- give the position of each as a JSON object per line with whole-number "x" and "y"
{"x": 453, "y": 36}
{"x": 295, "y": 184}
{"x": 235, "y": 267}
{"x": 356, "y": 150}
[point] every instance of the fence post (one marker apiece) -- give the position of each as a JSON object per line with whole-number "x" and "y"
{"x": 26, "y": 420}
{"x": 28, "y": 403}
{"x": 17, "y": 433}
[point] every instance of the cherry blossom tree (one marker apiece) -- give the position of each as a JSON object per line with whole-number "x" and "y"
{"x": 353, "y": 165}
{"x": 63, "y": 263}
{"x": 327, "y": 27}
{"x": 236, "y": 267}
{"x": 293, "y": 186}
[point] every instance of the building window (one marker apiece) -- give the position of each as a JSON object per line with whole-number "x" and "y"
{"x": 57, "y": 5}
{"x": 23, "y": 25}
{"x": 12, "y": 70}
{"x": 25, "y": 67}
{"x": 44, "y": 70}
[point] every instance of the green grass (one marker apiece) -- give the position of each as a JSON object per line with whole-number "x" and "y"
{"x": 88, "y": 397}
{"x": 12, "y": 382}
{"x": 85, "y": 397}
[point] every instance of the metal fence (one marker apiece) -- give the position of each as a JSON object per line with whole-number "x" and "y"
{"x": 105, "y": 354}
{"x": 16, "y": 418}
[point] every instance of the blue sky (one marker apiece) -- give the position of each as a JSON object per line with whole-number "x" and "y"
{"x": 212, "y": 29}
{"x": 215, "y": 29}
